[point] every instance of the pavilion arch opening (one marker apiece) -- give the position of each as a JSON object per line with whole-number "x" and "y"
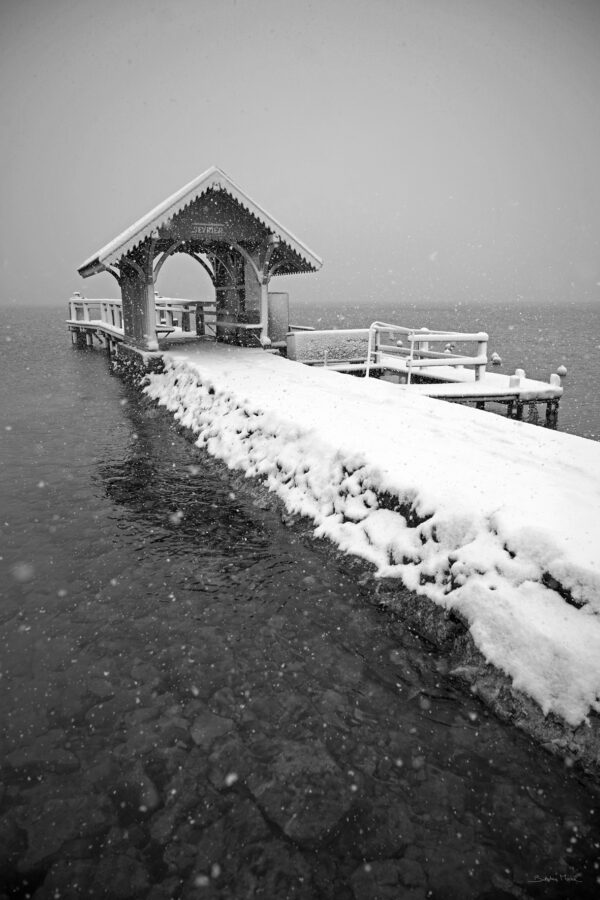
{"x": 183, "y": 276}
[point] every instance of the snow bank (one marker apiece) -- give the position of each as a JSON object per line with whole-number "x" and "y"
{"x": 492, "y": 518}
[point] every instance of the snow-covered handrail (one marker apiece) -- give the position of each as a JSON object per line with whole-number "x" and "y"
{"x": 420, "y": 355}
{"x": 174, "y": 312}
{"x": 170, "y": 312}
{"x": 83, "y": 310}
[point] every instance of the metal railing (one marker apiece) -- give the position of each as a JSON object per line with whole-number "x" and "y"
{"x": 418, "y": 353}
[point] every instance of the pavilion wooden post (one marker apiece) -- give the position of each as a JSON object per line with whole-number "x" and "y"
{"x": 264, "y": 307}
{"x": 265, "y": 271}
{"x": 149, "y": 309}
{"x": 138, "y": 303}
{"x": 256, "y": 279}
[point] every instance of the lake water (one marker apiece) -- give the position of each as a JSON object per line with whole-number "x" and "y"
{"x": 201, "y": 701}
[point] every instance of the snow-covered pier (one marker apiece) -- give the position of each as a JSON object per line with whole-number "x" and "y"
{"x": 405, "y": 356}
{"x": 491, "y": 522}
{"x": 447, "y": 375}
{"x": 242, "y": 247}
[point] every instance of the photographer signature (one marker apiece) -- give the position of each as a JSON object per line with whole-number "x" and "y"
{"x": 558, "y": 878}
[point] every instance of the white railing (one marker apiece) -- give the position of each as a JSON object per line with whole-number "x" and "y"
{"x": 418, "y": 355}
{"x": 186, "y": 317}
{"x": 108, "y": 311}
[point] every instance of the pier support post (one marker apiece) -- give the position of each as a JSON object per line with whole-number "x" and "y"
{"x": 552, "y": 413}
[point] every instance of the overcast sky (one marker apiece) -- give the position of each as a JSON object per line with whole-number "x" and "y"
{"x": 425, "y": 149}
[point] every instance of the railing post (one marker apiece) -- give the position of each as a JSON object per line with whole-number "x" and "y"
{"x": 185, "y": 318}
{"x": 369, "y": 350}
{"x": 411, "y": 357}
{"x": 200, "y": 323}
{"x": 481, "y": 351}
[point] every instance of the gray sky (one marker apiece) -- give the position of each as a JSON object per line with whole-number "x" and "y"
{"x": 426, "y": 149}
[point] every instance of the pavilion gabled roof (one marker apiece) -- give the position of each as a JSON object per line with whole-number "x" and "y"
{"x": 213, "y": 179}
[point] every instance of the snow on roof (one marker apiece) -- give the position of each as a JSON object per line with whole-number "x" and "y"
{"x": 161, "y": 214}
{"x": 508, "y": 513}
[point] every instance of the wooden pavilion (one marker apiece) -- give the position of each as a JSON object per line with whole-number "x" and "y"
{"x": 239, "y": 244}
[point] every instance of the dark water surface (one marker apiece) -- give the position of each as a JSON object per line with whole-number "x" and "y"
{"x": 200, "y": 701}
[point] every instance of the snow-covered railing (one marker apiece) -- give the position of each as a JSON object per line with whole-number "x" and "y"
{"x": 172, "y": 314}
{"x": 189, "y": 316}
{"x": 418, "y": 354}
{"x": 83, "y": 310}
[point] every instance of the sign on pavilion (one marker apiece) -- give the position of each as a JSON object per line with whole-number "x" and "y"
{"x": 212, "y": 220}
